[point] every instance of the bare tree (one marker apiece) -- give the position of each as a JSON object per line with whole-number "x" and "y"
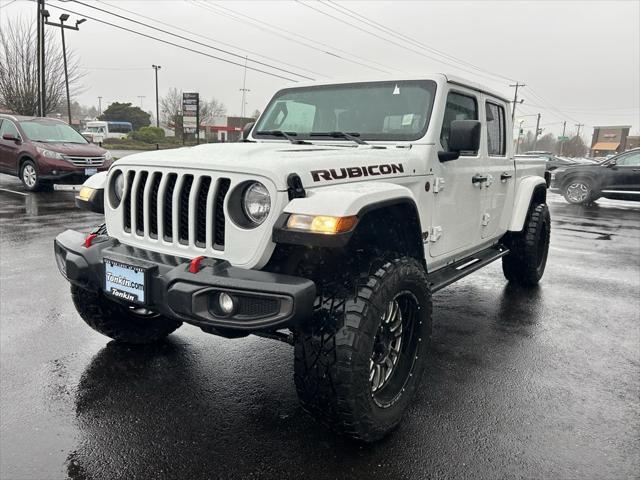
{"x": 210, "y": 109}
{"x": 171, "y": 108}
{"x": 575, "y": 147}
{"x": 19, "y": 67}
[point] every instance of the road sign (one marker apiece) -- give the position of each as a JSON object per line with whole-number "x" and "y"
{"x": 560, "y": 137}
{"x": 191, "y": 113}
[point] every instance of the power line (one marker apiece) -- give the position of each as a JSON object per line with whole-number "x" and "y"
{"x": 379, "y": 26}
{"x": 123, "y": 17}
{"x": 5, "y": 6}
{"x": 212, "y": 39}
{"x": 292, "y": 36}
{"x": 64, "y": 9}
{"x": 405, "y": 47}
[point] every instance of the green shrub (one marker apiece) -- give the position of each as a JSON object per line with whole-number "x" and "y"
{"x": 148, "y": 135}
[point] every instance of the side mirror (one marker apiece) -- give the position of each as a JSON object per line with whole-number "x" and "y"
{"x": 10, "y": 136}
{"x": 612, "y": 165}
{"x": 464, "y": 136}
{"x": 247, "y": 130}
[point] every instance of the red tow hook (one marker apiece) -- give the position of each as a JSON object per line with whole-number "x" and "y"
{"x": 194, "y": 266}
{"x": 89, "y": 240}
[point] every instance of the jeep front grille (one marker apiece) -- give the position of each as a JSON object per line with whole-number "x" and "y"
{"x": 178, "y": 208}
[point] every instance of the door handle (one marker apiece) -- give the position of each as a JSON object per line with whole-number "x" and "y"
{"x": 477, "y": 178}
{"x": 636, "y": 169}
{"x": 505, "y": 176}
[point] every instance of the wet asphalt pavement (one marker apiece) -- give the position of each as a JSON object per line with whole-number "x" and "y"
{"x": 521, "y": 384}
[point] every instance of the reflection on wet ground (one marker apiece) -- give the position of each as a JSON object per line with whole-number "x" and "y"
{"x": 536, "y": 383}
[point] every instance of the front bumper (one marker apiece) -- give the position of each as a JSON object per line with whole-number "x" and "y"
{"x": 265, "y": 301}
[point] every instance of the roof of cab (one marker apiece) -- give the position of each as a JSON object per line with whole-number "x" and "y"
{"x": 449, "y": 78}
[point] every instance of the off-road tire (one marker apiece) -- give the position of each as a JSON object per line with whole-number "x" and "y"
{"x": 333, "y": 354}
{"x": 117, "y": 321}
{"x": 527, "y": 258}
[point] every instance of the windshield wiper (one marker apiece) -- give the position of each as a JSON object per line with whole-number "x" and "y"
{"x": 288, "y": 135}
{"x": 349, "y": 136}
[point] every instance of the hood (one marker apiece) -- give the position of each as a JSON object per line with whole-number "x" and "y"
{"x": 73, "y": 149}
{"x": 276, "y": 160}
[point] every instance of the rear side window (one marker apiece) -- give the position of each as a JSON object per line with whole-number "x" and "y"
{"x": 459, "y": 107}
{"x": 630, "y": 160}
{"x": 496, "y": 144}
{"x": 8, "y": 127}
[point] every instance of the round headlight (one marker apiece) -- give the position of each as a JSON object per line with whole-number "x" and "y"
{"x": 118, "y": 186}
{"x": 256, "y": 203}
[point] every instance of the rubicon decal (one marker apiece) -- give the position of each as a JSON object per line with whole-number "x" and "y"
{"x": 354, "y": 172}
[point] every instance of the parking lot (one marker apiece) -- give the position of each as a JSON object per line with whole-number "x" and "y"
{"x": 522, "y": 384}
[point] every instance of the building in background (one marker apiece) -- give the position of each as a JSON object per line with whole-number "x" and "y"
{"x": 226, "y": 129}
{"x": 609, "y": 140}
{"x": 632, "y": 142}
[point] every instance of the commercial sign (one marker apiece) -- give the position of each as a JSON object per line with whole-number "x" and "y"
{"x": 190, "y": 112}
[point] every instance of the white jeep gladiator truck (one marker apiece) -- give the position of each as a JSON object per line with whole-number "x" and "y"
{"x": 330, "y": 226}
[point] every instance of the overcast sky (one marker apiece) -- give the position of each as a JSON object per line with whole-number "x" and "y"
{"x": 580, "y": 60}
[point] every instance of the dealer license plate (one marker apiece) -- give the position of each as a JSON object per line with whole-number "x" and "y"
{"x": 90, "y": 171}
{"x": 124, "y": 281}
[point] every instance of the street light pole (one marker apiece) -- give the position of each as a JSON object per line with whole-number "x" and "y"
{"x": 99, "y": 106}
{"x": 44, "y": 14}
{"x": 63, "y": 18}
{"x": 156, "y": 68}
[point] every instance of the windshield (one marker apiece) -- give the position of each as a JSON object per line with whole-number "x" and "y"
{"x": 372, "y": 111}
{"x": 49, "y": 131}
{"x": 95, "y": 129}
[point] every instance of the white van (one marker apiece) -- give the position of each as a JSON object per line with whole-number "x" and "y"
{"x": 98, "y": 131}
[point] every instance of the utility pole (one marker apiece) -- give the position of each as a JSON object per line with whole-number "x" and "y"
{"x": 43, "y": 15}
{"x": 519, "y": 135}
{"x": 564, "y": 127}
{"x": 535, "y": 137}
{"x": 244, "y": 88}
{"x": 39, "y": 55}
{"x": 141, "y": 97}
{"x": 99, "y": 106}
{"x": 515, "y": 99}
{"x": 579, "y": 125}
{"x": 156, "y": 68}
{"x": 63, "y": 18}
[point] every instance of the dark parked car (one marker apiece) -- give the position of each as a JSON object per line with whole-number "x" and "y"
{"x": 617, "y": 177}
{"x": 41, "y": 151}
{"x": 552, "y": 162}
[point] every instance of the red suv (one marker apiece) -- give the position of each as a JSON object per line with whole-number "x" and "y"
{"x": 41, "y": 151}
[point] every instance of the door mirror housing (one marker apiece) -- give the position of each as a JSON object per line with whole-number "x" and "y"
{"x": 464, "y": 136}
{"x": 10, "y": 136}
{"x": 612, "y": 165}
{"x": 247, "y": 130}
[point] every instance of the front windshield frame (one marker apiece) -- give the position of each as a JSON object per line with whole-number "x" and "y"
{"x": 430, "y": 85}
{"x": 75, "y": 137}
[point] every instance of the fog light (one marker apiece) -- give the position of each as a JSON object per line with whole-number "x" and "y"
{"x": 226, "y": 303}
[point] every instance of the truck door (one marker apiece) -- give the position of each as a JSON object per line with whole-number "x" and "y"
{"x": 499, "y": 169}
{"x": 455, "y": 223}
